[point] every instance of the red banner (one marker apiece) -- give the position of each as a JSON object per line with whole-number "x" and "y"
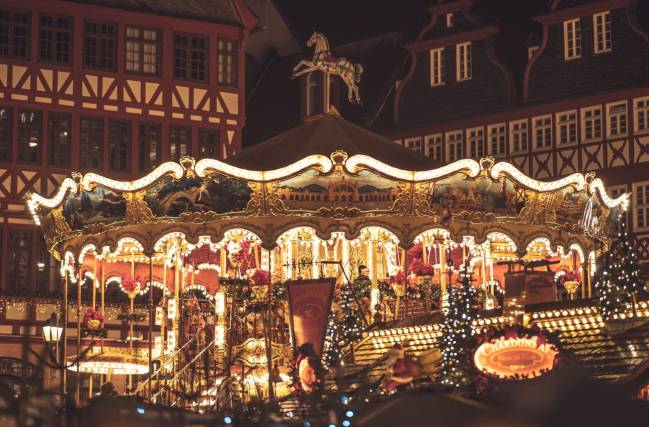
{"x": 309, "y": 303}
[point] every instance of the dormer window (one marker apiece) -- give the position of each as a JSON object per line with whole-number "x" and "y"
{"x": 449, "y": 20}
{"x": 571, "y": 39}
{"x": 531, "y": 51}
{"x": 437, "y": 67}
{"x": 602, "y": 32}
{"x": 463, "y": 61}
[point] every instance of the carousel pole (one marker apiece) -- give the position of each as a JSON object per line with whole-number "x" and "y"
{"x": 150, "y": 320}
{"x": 94, "y": 305}
{"x": 103, "y": 296}
{"x": 442, "y": 274}
{"x": 64, "y": 371}
{"x": 269, "y": 334}
{"x": 78, "y": 392}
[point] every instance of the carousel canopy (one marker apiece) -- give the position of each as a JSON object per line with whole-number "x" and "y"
{"x": 323, "y": 134}
{"x": 331, "y": 176}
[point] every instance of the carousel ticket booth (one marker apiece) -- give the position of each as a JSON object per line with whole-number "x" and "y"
{"x": 201, "y": 249}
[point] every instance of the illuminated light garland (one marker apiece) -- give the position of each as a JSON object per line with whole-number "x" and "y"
{"x": 34, "y": 200}
{"x": 354, "y": 163}
{"x": 87, "y": 248}
{"x": 576, "y": 179}
{"x": 122, "y": 247}
{"x": 90, "y": 179}
{"x": 201, "y": 288}
{"x": 204, "y": 166}
{"x": 598, "y": 186}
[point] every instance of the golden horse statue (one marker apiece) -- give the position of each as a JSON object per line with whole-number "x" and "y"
{"x": 323, "y": 61}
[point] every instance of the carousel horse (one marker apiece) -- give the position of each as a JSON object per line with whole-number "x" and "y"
{"x": 323, "y": 61}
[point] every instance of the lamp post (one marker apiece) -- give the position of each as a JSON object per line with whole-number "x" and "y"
{"x": 52, "y": 333}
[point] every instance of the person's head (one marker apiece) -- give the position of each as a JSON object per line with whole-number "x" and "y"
{"x": 363, "y": 270}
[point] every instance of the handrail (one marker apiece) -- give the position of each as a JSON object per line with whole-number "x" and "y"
{"x": 163, "y": 365}
{"x": 199, "y": 354}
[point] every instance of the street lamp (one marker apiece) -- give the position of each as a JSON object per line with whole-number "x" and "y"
{"x": 52, "y": 332}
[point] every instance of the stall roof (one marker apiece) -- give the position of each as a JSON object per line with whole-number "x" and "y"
{"x": 324, "y": 134}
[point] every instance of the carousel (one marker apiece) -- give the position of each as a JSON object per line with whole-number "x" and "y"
{"x": 201, "y": 250}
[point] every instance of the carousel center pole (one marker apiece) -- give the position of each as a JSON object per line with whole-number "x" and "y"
{"x": 64, "y": 372}
{"x": 150, "y": 320}
{"x": 269, "y": 329}
{"x": 78, "y": 394}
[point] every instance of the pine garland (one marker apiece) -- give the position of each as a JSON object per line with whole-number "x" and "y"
{"x": 457, "y": 334}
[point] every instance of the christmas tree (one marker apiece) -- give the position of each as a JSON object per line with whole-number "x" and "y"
{"x": 345, "y": 325}
{"x": 619, "y": 279}
{"x": 457, "y": 333}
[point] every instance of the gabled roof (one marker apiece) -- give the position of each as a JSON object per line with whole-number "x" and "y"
{"x": 324, "y": 134}
{"x": 217, "y": 11}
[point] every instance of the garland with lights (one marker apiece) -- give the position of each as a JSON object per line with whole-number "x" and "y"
{"x": 619, "y": 281}
{"x": 343, "y": 327}
{"x": 457, "y": 334}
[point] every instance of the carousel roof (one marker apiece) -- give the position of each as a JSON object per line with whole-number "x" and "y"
{"x": 323, "y": 134}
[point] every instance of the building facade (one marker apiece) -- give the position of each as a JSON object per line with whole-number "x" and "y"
{"x": 109, "y": 87}
{"x": 577, "y": 102}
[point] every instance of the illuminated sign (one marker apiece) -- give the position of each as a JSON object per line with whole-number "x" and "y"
{"x": 514, "y": 357}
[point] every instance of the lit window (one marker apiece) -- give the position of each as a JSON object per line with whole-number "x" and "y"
{"x": 531, "y": 51}
{"x": 641, "y": 207}
{"x": 641, "y": 107}
{"x": 475, "y": 137}
{"x": 567, "y": 127}
{"x": 591, "y": 119}
{"x": 227, "y": 62}
{"x": 413, "y": 143}
{"x": 29, "y": 136}
{"x": 455, "y": 146}
{"x": 602, "y": 32}
{"x": 616, "y": 119}
{"x": 572, "y": 39}
{"x": 463, "y": 61}
{"x": 449, "y": 20}
{"x": 15, "y": 33}
{"x": 59, "y": 138}
{"x": 497, "y": 139}
{"x": 150, "y": 142}
{"x": 542, "y": 131}
{"x": 437, "y": 66}
{"x": 518, "y": 136}
{"x": 433, "y": 146}
{"x": 143, "y": 50}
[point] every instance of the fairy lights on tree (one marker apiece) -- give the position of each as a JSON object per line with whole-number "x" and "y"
{"x": 457, "y": 333}
{"x": 345, "y": 325}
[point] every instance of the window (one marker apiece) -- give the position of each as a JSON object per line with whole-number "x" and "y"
{"x": 567, "y": 127}
{"x": 641, "y": 208}
{"x": 14, "y": 33}
{"x": 475, "y": 137}
{"x": 48, "y": 278}
{"x": 454, "y": 142}
{"x": 119, "y": 146}
{"x": 497, "y": 141}
{"x": 29, "y": 136}
{"x": 437, "y": 66}
{"x": 641, "y": 107}
{"x": 616, "y": 119}
{"x": 463, "y": 61}
{"x": 190, "y": 57}
{"x": 542, "y": 131}
{"x": 56, "y": 39}
{"x": 449, "y": 20}
{"x": 602, "y": 32}
{"x": 180, "y": 139}
{"x": 208, "y": 144}
{"x": 99, "y": 39}
{"x": 591, "y": 119}
{"x": 433, "y": 146}
{"x": 5, "y": 134}
{"x": 19, "y": 259}
{"x": 150, "y": 142}
{"x": 571, "y": 39}
{"x": 143, "y": 50}
{"x": 413, "y": 143}
{"x": 227, "y": 62}
{"x": 518, "y": 136}
{"x": 91, "y": 144}
{"x": 531, "y": 51}
{"x": 59, "y": 138}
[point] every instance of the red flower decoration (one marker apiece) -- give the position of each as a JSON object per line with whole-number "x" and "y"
{"x": 511, "y": 332}
{"x": 91, "y": 315}
{"x": 260, "y": 277}
{"x": 130, "y": 284}
{"x": 397, "y": 279}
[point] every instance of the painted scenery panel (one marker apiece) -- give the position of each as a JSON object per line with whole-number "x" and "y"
{"x": 366, "y": 191}
{"x": 98, "y": 205}
{"x": 216, "y": 193}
